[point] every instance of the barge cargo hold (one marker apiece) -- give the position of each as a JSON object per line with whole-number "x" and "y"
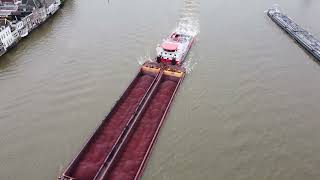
{"x": 121, "y": 145}
{"x": 303, "y": 37}
{"x": 101, "y": 144}
{"x": 128, "y": 163}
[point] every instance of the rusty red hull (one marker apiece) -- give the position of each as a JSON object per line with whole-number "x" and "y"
{"x": 103, "y": 141}
{"x": 120, "y": 147}
{"x": 129, "y": 161}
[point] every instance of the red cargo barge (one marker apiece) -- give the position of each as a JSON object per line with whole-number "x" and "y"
{"x": 130, "y": 159}
{"x": 120, "y": 147}
{"x": 101, "y": 144}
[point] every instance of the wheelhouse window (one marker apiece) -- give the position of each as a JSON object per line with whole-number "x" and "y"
{"x": 169, "y": 50}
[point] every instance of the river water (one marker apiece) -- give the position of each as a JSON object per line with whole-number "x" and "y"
{"x": 248, "y": 108}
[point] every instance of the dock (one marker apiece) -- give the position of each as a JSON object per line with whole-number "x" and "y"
{"x": 303, "y": 37}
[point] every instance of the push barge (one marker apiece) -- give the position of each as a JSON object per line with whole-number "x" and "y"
{"x": 303, "y": 37}
{"x": 120, "y": 146}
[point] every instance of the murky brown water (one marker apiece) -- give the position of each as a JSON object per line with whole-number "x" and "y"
{"x": 248, "y": 110}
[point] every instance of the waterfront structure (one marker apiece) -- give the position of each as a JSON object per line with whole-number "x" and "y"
{"x": 23, "y": 16}
{"x": 6, "y": 36}
{"x": 52, "y": 6}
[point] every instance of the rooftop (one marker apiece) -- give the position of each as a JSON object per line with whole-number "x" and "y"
{"x": 169, "y": 46}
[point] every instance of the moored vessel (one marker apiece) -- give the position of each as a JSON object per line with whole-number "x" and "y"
{"x": 303, "y": 37}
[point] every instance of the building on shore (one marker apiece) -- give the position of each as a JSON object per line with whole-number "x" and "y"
{"x": 20, "y": 17}
{"x": 31, "y": 12}
{"x": 6, "y": 37}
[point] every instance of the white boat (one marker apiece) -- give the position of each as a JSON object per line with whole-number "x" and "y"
{"x": 175, "y": 48}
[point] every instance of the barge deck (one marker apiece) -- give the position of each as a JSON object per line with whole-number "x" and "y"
{"x": 120, "y": 146}
{"x": 303, "y": 37}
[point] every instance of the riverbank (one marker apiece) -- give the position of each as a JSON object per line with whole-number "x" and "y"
{"x": 18, "y": 20}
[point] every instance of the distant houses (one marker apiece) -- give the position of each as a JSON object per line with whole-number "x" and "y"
{"x": 6, "y": 36}
{"x": 19, "y": 17}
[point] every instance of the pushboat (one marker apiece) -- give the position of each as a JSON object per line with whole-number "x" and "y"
{"x": 175, "y": 48}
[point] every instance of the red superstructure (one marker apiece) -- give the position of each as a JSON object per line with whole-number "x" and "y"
{"x": 175, "y": 48}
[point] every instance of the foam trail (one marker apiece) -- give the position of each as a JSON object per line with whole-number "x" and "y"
{"x": 189, "y": 24}
{"x": 148, "y": 57}
{"x": 274, "y": 6}
{"x": 189, "y": 18}
{"x": 142, "y": 59}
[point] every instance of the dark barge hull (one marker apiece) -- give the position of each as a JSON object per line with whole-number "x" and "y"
{"x": 303, "y": 37}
